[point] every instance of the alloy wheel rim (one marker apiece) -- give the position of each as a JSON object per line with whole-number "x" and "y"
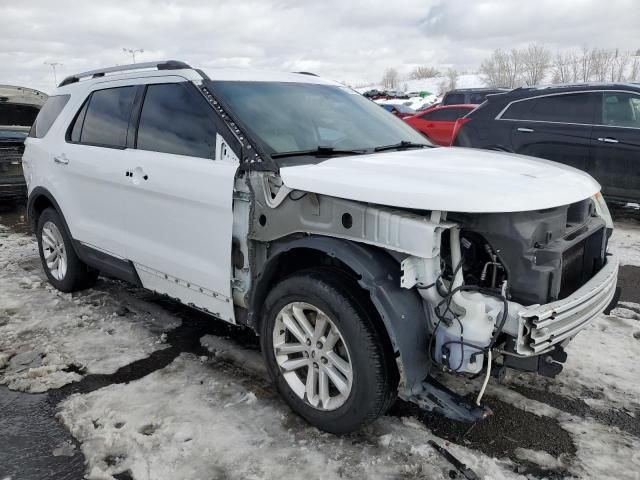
{"x": 312, "y": 356}
{"x": 55, "y": 254}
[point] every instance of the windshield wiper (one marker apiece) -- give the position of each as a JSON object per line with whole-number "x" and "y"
{"x": 402, "y": 145}
{"x": 319, "y": 151}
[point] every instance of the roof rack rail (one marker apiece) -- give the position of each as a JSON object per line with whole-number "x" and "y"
{"x": 163, "y": 65}
{"x": 306, "y": 73}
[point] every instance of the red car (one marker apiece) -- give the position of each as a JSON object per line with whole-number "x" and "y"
{"x": 438, "y": 122}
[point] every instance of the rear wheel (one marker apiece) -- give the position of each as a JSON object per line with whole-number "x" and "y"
{"x": 324, "y": 353}
{"x": 62, "y": 266}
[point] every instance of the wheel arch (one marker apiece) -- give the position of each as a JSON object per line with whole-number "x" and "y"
{"x": 40, "y": 199}
{"x": 401, "y": 311}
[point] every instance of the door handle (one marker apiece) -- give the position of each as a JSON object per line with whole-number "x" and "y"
{"x": 525, "y": 130}
{"x": 608, "y": 140}
{"x": 62, "y": 158}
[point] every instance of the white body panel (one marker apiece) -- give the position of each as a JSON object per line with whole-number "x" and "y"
{"x": 179, "y": 223}
{"x": 447, "y": 179}
{"x": 175, "y": 227}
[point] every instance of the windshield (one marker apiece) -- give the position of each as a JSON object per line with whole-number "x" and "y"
{"x": 292, "y": 117}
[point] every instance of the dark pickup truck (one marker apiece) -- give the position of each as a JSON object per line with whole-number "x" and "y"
{"x": 19, "y": 107}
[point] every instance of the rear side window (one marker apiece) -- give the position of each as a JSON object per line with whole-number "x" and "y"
{"x": 568, "y": 108}
{"x": 621, "y": 109}
{"x": 48, "y": 114}
{"x": 107, "y": 117}
{"x": 453, "y": 99}
{"x": 176, "y": 120}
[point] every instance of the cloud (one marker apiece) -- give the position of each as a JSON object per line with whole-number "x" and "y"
{"x": 351, "y": 41}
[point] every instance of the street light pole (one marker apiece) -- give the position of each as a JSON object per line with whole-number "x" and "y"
{"x": 132, "y": 52}
{"x": 54, "y": 65}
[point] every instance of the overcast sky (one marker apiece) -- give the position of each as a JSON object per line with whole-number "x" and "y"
{"x": 352, "y": 41}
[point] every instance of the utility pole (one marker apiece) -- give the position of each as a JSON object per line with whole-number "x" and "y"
{"x": 54, "y": 65}
{"x": 132, "y": 52}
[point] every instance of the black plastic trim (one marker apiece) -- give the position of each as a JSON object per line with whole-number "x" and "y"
{"x": 108, "y": 264}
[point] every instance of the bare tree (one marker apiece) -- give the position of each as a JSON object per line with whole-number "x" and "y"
{"x": 619, "y": 63}
{"x": 601, "y": 63}
{"x": 452, "y": 78}
{"x": 535, "y": 63}
{"x": 422, "y": 72}
{"x": 563, "y": 67}
{"x": 502, "y": 69}
{"x": 390, "y": 78}
{"x": 586, "y": 65}
{"x": 634, "y": 71}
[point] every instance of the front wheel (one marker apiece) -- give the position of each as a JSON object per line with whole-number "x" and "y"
{"x": 324, "y": 353}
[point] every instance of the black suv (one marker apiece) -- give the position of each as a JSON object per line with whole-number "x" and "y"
{"x": 593, "y": 127}
{"x": 472, "y": 96}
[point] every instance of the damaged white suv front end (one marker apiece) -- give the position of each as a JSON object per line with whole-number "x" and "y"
{"x": 366, "y": 259}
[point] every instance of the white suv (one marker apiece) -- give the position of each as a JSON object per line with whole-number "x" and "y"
{"x": 364, "y": 257}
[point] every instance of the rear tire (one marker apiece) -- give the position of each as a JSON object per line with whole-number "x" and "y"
{"x": 62, "y": 266}
{"x": 315, "y": 332}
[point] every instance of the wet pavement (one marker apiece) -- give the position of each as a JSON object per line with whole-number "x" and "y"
{"x": 36, "y": 446}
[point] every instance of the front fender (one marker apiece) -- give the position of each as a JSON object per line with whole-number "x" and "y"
{"x": 402, "y": 311}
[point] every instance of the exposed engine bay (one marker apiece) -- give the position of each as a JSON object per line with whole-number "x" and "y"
{"x": 504, "y": 289}
{"x": 491, "y": 267}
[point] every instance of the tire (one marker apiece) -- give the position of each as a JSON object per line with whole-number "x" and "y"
{"x": 372, "y": 384}
{"x": 60, "y": 262}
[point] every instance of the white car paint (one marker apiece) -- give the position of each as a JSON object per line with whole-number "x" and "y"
{"x": 175, "y": 227}
{"x": 446, "y": 179}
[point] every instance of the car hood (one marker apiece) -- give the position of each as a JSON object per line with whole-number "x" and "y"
{"x": 449, "y": 179}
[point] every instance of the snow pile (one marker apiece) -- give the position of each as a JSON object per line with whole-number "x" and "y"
{"x": 195, "y": 420}
{"x": 432, "y": 85}
{"x": 625, "y": 242}
{"x": 49, "y": 339}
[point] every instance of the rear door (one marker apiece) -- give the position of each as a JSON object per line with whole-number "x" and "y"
{"x": 91, "y": 164}
{"x": 179, "y": 210}
{"x": 556, "y": 127}
{"x": 616, "y": 145}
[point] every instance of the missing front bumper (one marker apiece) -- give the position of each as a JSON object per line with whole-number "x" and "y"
{"x": 541, "y": 327}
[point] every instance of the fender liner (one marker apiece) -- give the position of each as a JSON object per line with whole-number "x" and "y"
{"x": 402, "y": 311}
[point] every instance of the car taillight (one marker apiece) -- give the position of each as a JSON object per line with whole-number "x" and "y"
{"x": 457, "y": 126}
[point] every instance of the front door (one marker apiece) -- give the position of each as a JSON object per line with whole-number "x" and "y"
{"x": 616, "y": 145}
{"x": 180, "y": 214}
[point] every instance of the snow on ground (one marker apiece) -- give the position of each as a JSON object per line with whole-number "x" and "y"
{"x": 202, "y": 420}
{"x": 600, "y": 365}
{"x": 603, "y": 452}
{"x": 219, "y": 416}
{"x": 49, "y": 339}
{"x": 415, "y": 103}
{"x": 625, "y": 242}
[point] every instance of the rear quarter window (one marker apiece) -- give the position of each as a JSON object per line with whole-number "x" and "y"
{"x": 48, "y": 114}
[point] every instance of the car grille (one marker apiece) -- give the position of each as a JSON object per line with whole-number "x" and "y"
{"x": 581, "y": 262}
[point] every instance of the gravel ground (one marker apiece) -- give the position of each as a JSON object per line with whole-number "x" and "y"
{"x": 195, "y": 402}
